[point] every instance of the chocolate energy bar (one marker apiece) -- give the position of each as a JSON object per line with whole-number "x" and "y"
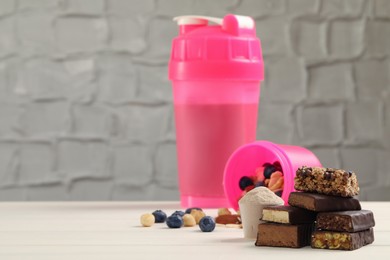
{"x": 347, "y": 221}
{"x": 341, "y": 240}
{"x": 328, "y": 181}
{"x": 281, "y": 235}
{"x": 321, "y": 203}
{"x": 288, "y": 215}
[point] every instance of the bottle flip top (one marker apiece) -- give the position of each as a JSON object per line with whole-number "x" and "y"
{"x": 227, "y": 49}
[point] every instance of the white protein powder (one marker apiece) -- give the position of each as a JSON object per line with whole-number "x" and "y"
{"x": 261, "y": 196}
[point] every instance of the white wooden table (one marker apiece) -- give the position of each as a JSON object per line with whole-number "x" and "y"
{"x": 111, "y": 230}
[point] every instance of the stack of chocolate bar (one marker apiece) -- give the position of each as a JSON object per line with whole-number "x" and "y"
{"x": 344, "y": 230}
{"x": 327, "y": 198}
{"x": 285, "y": 226}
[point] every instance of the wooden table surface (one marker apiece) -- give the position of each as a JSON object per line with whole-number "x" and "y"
{"x": 111, "y": 230}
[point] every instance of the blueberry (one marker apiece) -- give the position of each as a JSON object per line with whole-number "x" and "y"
{"x": 207, "y": 224}
{"x": 279, "y": 193}
{"x": 174, "y": 221}
{"x": 159, "y": 216}
{"x": 178, "y": 212}
{"x": 259, "y": 184}
{"x": 245, "y": 181}
{"x": 268, "y": 170}
{"x": 188, "y": 211}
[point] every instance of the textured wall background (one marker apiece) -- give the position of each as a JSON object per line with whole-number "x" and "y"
{"x": 85, "y": 104}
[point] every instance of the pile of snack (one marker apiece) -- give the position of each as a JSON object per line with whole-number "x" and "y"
{"x": 178, "y": 219}
{"x": 269, "y": 176}
{"x": 192, "y": 217}
{"x": 325, "y": 215}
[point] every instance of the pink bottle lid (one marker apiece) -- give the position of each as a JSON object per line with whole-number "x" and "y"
{"x": 246, "y": 159}
{"x": 227, "y": 50}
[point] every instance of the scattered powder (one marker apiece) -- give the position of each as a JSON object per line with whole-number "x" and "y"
{"x": 262, "y": 196}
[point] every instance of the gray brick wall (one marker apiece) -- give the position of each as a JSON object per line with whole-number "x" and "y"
{"x": 85, "y": 104}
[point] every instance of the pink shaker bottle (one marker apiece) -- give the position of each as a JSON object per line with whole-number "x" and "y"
{"x": 216, "y": 71}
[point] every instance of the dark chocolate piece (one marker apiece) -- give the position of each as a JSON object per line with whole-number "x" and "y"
{"x": 341, "y": 240}
{"x": 288, "y": 215}
{"x": 320, "y": 202}
{"x": 349, "y": 221}
{"x": 281, "y": 235}
{"x": 328, "y": 181}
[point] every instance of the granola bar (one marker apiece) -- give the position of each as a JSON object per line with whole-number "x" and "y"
{"x": 328, "y": 181}
{"x": 341, "y": 240}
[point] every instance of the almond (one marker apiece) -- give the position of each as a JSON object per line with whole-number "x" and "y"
{"x": 228, "y": 219}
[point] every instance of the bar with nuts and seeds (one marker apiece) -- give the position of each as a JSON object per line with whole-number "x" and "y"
{"x": 282, "y": 235}
{"x": 346, "y": 221}
{"x": 288, "y": 215}
{"x": 322, "y": 203}
{"x": 341, "y": 240}
{"x": 328, "y": 181}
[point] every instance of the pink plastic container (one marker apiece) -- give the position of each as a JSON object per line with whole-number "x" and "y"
{"x": 216, "y": 72}
{"x": 245, "y": 160}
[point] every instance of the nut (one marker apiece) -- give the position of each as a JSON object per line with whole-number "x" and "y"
{"x": 189, "y": 220}
{"x": 343, "y": 238}
{"x": 224, "y": 211}
{"x": 228, "y": 219}
{"x": 278, "y": 185}
{"x": 274, "y": 178}
{"x": 198, "y": 215}
{"x": 147, "y": 220}
{"x": 318, "y": 244}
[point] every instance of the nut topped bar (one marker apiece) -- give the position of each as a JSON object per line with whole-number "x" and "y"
{"x": 328, "y": 181}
